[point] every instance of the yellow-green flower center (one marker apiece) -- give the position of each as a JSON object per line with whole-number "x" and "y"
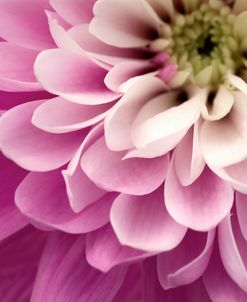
{"x": 205, "y": 44}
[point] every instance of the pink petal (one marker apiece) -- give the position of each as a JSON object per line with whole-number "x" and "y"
{"x": 72, "y": 76}
{"x": 188, "y": 160}
{"x": 233, "y": 247}
{"x": 42, "y": 197}
{"x": 59, "y": 31}
{"x": 64, "y": 274}
{"x": 219, "y": 285}
{"x": 142, "y": 222}
{"x": 241, "y": 205}
{"x": 25, "y": 23}
{"x": 19, "y": 259}
{"x": 119, "y": 120}
{"x": 80, "y": 189}
{"x": 32, "y": 148}
{"x": 125, "y": 23}
{"x": 131, "y": 176}
{"x": 104, "y": 251}
{"x": 11, "y": 220}
{"x": 99, "y": 50}
{"x": 223, "y": 142}
{"x": 74, "y": 11}
{"x": 16, "y": 69}
{"x": 187, "y": 262}
{"x": 51, "y": 118}
{"x": 201, "y": 205}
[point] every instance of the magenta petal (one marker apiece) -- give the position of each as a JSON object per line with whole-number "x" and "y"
{"x": 187, "y": 261}
{"x": 233, "y": 246}
{"x": 9, "y": 100}
{"x": 153, "y": 292}
{"x": 220, "y": 287}
{"x": 32, "y": 148}
{"x": 11, "y": 220}
{"x": 131, "y": 288}
{"x": 241, "y": 205}
{"x": 104, "y": 251}
{"x": 131, "y": 176}
{"x": 142, "y": 222}
{"x": 25, "y": 23}
{"x": 42, "y": 197}
{"x": 19, "y": 259}
{"x": 73, "y": 76}
{"x": 64, "y": 274}
{"x": 201, "y": 205}
{"x": 74, "y": 11}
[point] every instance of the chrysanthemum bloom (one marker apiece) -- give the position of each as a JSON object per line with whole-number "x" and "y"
{"x": 180, "y": 125}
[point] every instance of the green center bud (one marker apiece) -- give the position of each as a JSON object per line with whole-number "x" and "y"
{"x": 204, "y": 43}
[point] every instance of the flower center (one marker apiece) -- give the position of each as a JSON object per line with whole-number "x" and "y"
{"x": 204, "y": 43}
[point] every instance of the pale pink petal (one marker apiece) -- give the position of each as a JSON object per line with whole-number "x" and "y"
{"x": 64, "y": 274}
{"x": 219, "y": 285}
{"x": 239, "y": 6}
{"x": 241, "y": 205}
{"x": 158, "y": 131}
{"x": 11, "y": 220}
{"x": 131, "y": 176}
{"x": 119, "y": 120}
{"x": 51, "y": 118}
{"x": 16, "y": 68}
{"x": 25, "y": 23}
{"x": 233, "y": 247}
{"x": 188, "y": 160}
{"x": 223, "y": 142}
{"x": 142, "y": 222}
{"x": 166, "y": 120}
{"x": 219, "y": 106}
{"x": 72, "y": 76}
{"x": 19, "y": 259}
{"x": 187, "y": 262}
{"x": 165, "y": 9}
{"x": 201, "y": 205}
{"x": 126, "y": 70}
{"x": 32, "y": 148}
{"x": 104, "y": 251}
{"x": 42, "y": 197}
{"x": 125, "y": 23}
{"x": 74, "y": 11}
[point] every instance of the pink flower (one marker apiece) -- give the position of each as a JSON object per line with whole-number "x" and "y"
{"x": 124, "y": 131}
